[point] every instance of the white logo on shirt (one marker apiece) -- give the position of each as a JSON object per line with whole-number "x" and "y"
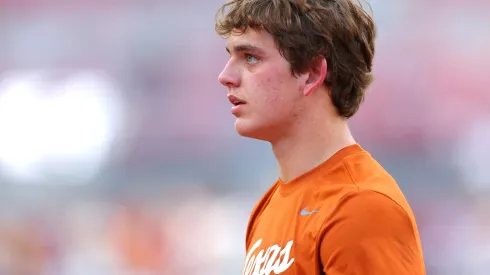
{"x": 274, "y": 258}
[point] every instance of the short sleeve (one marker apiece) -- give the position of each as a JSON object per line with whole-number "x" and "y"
{"x": 369, "y": 233}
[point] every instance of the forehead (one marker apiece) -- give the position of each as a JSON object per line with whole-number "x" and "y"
{"x": 253, "y": 38}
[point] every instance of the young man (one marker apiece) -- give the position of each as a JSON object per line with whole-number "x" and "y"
{"x": 297, "y": 71}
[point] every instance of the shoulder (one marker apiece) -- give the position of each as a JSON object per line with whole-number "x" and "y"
{"x": 373, "y": 229}
{"x": 371, "y": 210}
{"x": 367, "y": 216}
{"x": 373, "y": 182}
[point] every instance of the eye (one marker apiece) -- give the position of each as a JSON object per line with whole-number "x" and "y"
{"x": 251, "y": 58}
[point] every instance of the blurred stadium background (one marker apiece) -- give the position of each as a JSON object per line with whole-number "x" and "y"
{"x": 118, "y": 153}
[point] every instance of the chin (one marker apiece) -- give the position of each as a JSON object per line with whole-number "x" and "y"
{"x": 250, "y": 129}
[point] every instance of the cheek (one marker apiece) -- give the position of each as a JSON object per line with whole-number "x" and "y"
{"x": 277, "y": 105}
{"x": 273, "y": 88}
{"x": 272, "y": 94}
{"x": 281, "y": 91}
{"x": 275, "y": 93}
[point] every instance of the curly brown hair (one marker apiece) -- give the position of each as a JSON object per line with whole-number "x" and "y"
{"x": 339, "y": 30}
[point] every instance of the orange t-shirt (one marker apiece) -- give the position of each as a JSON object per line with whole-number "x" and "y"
{"x": 345, "y": 217}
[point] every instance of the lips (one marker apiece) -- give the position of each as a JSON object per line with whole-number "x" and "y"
{"x": 235, "y": 100}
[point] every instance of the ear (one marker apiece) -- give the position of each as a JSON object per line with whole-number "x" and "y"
{"x": 315, "y": 75}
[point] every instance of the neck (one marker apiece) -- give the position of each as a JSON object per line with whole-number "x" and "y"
{"x": 310, "y": 146}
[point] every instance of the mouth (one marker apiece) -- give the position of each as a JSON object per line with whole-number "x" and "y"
{"x": 235, "y": 100}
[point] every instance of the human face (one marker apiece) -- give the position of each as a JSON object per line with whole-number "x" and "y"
{"x": 264, "y": 92}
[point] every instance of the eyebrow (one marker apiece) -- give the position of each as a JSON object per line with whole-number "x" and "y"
{"x": 245, "y": 48}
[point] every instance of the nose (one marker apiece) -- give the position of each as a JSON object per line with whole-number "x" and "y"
{"x": 229, "y": 77}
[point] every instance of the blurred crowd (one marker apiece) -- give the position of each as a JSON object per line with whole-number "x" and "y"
{"x": 126, "y": 237}
{"x": 118, "y": 153}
